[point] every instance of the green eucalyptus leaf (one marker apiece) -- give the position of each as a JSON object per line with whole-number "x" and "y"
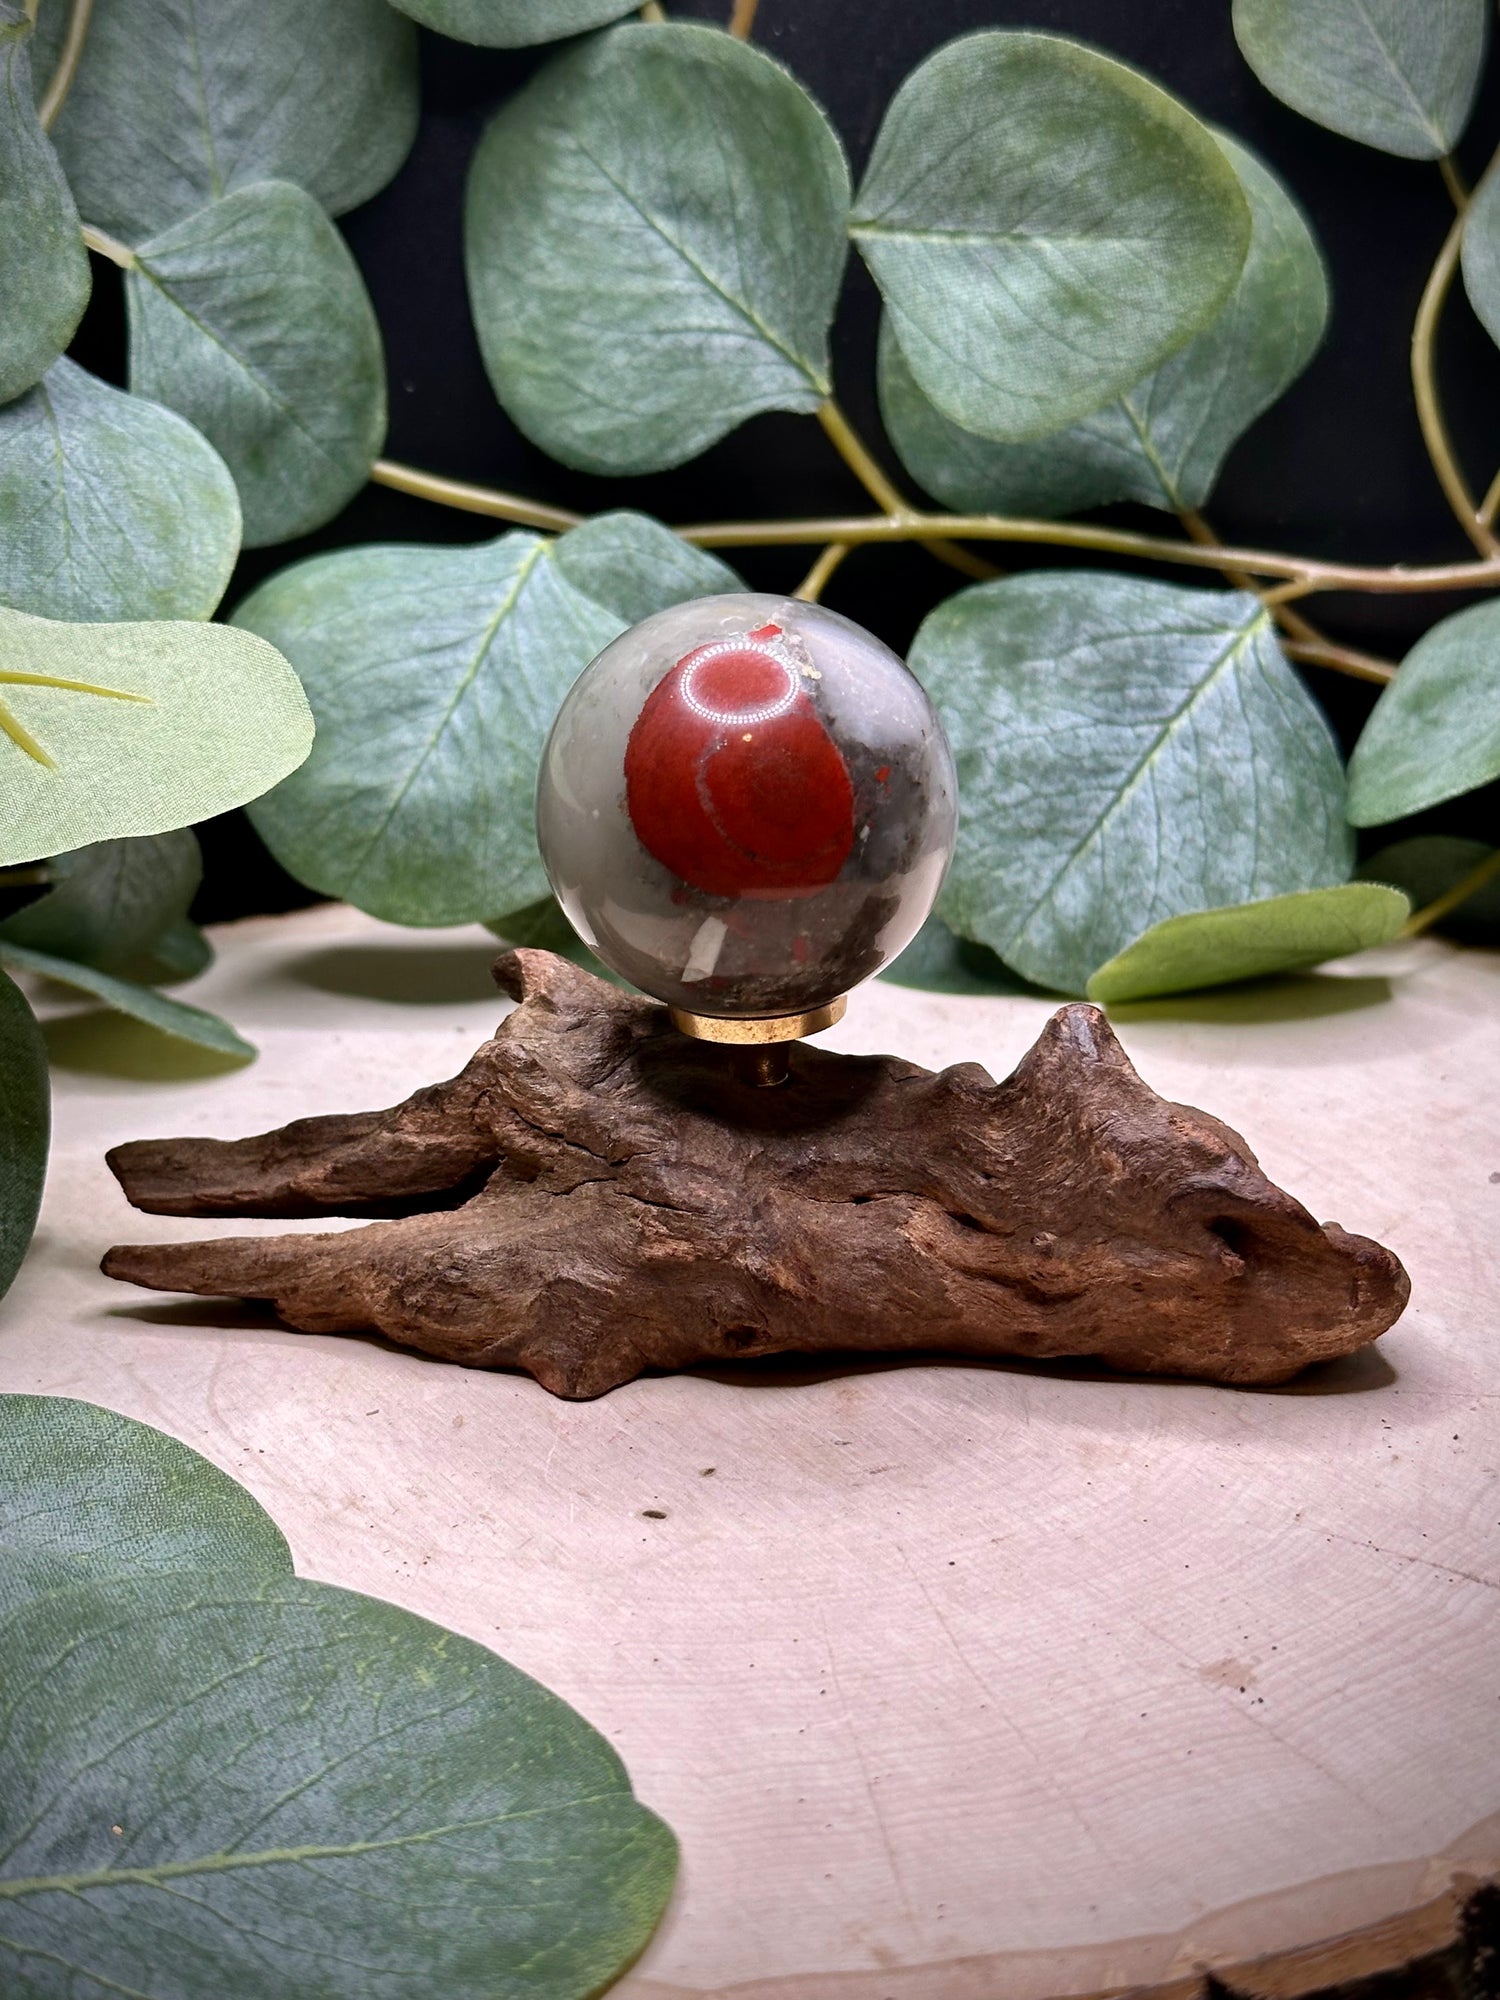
{"x": 114, "y": 507}
{"x": 217, "y": 1786}
{"x": 632, "y": 565}
{"x": 1164, "y": 441}
{"x": 1398, "y": 75}
{"x": 109, "y": 730}
{"x": 1481, "y": 253}
{"x": 127, "y": 996}
{"x": 181, "y": 952}
{"x": 1250, "y": 940}
{"x": 1427, "y": 867}
{"x": 1127, "y": 751}
{"x": 86, "y": 1494}
{"x": 177, "y": 102}
{"x": 44, "y": 268}
{"x": 939, "y": 961}
{"x": 25, "y": 1121}
{"x": 655, "y": 240}
{"x": 1435, "y": 731}
{"x": 514, "y": 24}
{"x": 251, "y": 318}
{"x": 1046, "y": 226}
{"x": 434, "y": 674}
{"x": 111, "y": 903}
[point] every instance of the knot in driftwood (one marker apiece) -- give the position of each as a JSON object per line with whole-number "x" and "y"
{"x": 595, "y": 1195}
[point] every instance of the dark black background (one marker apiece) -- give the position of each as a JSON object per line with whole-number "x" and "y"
{"x": 1336, "y": 469}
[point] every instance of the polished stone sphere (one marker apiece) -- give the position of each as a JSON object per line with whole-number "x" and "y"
{"x": 746, "y": 806}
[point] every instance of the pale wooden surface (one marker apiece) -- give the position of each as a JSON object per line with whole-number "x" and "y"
{"x": 957, "y": 1682}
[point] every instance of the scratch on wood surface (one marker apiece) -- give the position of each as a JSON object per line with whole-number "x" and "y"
{"x": 877, "y": 1810}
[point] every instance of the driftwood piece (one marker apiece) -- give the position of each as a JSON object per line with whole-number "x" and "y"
{"x": 595, "y": 1195}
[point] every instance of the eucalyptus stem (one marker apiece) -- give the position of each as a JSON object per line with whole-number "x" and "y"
{"x": 1305, "y": 573}
{"x": 1429, "y": 406}
{"x": 1302, "y": 639}
{"x": 109, "y": 246}
{"x": 868, "y": 470}
{"x": 810, "y": 589}
{"x": 67, "y": 63}
{"x": 1491, "y": 502}
{"x": 1466, "y": 886}
{"x": 653, "y": 11}
{"x": 1319, "y": 652}
{"x": 1311, "y": 574}
{"x": 1454, "y": 181}
{"x": 742, "y": 19}
{"x": 469, "y": 499}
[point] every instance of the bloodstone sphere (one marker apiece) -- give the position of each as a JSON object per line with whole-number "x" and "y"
{"x": 747, "y": 805}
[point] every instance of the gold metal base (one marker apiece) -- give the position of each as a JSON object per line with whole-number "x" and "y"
{"x": 771, "y": 1028}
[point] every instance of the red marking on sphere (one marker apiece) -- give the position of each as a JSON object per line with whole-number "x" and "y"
{"x": 733, "y": 782}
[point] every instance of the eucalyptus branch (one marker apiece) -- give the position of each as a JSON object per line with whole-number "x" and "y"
{"x": 1429, "y": 406}
{"x": 1306, "y": 571}
{"x": 653, "y": 11}
{"x": 1305, "y": 574}
{"x": 1482, "y": 872}
{"x": 1320, "y": 652}
{"x": 468, "y": 499}
{"x": 108, "y": 246}
{"x": 1302, "y": 639}
{"x": 742, "y": 19}
{"x": 867, "y": 469}
{"x": 1454, "y": 181}
{"x": 67, "y": 63}
{"x": 1491, "y": 502}
{"x": 810, "y": 589}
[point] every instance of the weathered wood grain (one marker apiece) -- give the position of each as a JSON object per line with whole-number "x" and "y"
{"x": 596, "y": 1195}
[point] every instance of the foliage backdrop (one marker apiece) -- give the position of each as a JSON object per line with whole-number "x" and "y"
{"x": 1318, "y": 472}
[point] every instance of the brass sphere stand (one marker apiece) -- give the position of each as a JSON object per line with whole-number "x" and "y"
{"x": 763, "y": 1044}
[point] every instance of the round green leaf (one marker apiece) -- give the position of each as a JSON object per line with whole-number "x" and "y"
{"x": 225, "y": 1786}
{"x": 655, "y": 239}
{"x": 514, "y": 24}
{"x": 632, "y": 565}
{"x": 1395, "y": 74}
{"x": 108, "y": 730}
{"x": 1429, "y": 866}
{"x": 1435, "y": 731}
{"x": 45, "y": 282}
{"x": 1249, "y": 940}
{"x": 128, "y": 996}
{"x": 181, "y": 952}
{"x": 252, "y": 319}
{"x": 115, "y": 508}
{"x": 1046, "y": 226}
{"x": 25, "y": 1120}
{"x": 1127, "y": 751}
{"x": 111, "y": 903}
{"x": 86, "y": 1494}
{"x": 434, "y": 675}
{"x": 177, "y": 102}
{"x": 1481, "y": 253}
{"x": 1165, "y": 440}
